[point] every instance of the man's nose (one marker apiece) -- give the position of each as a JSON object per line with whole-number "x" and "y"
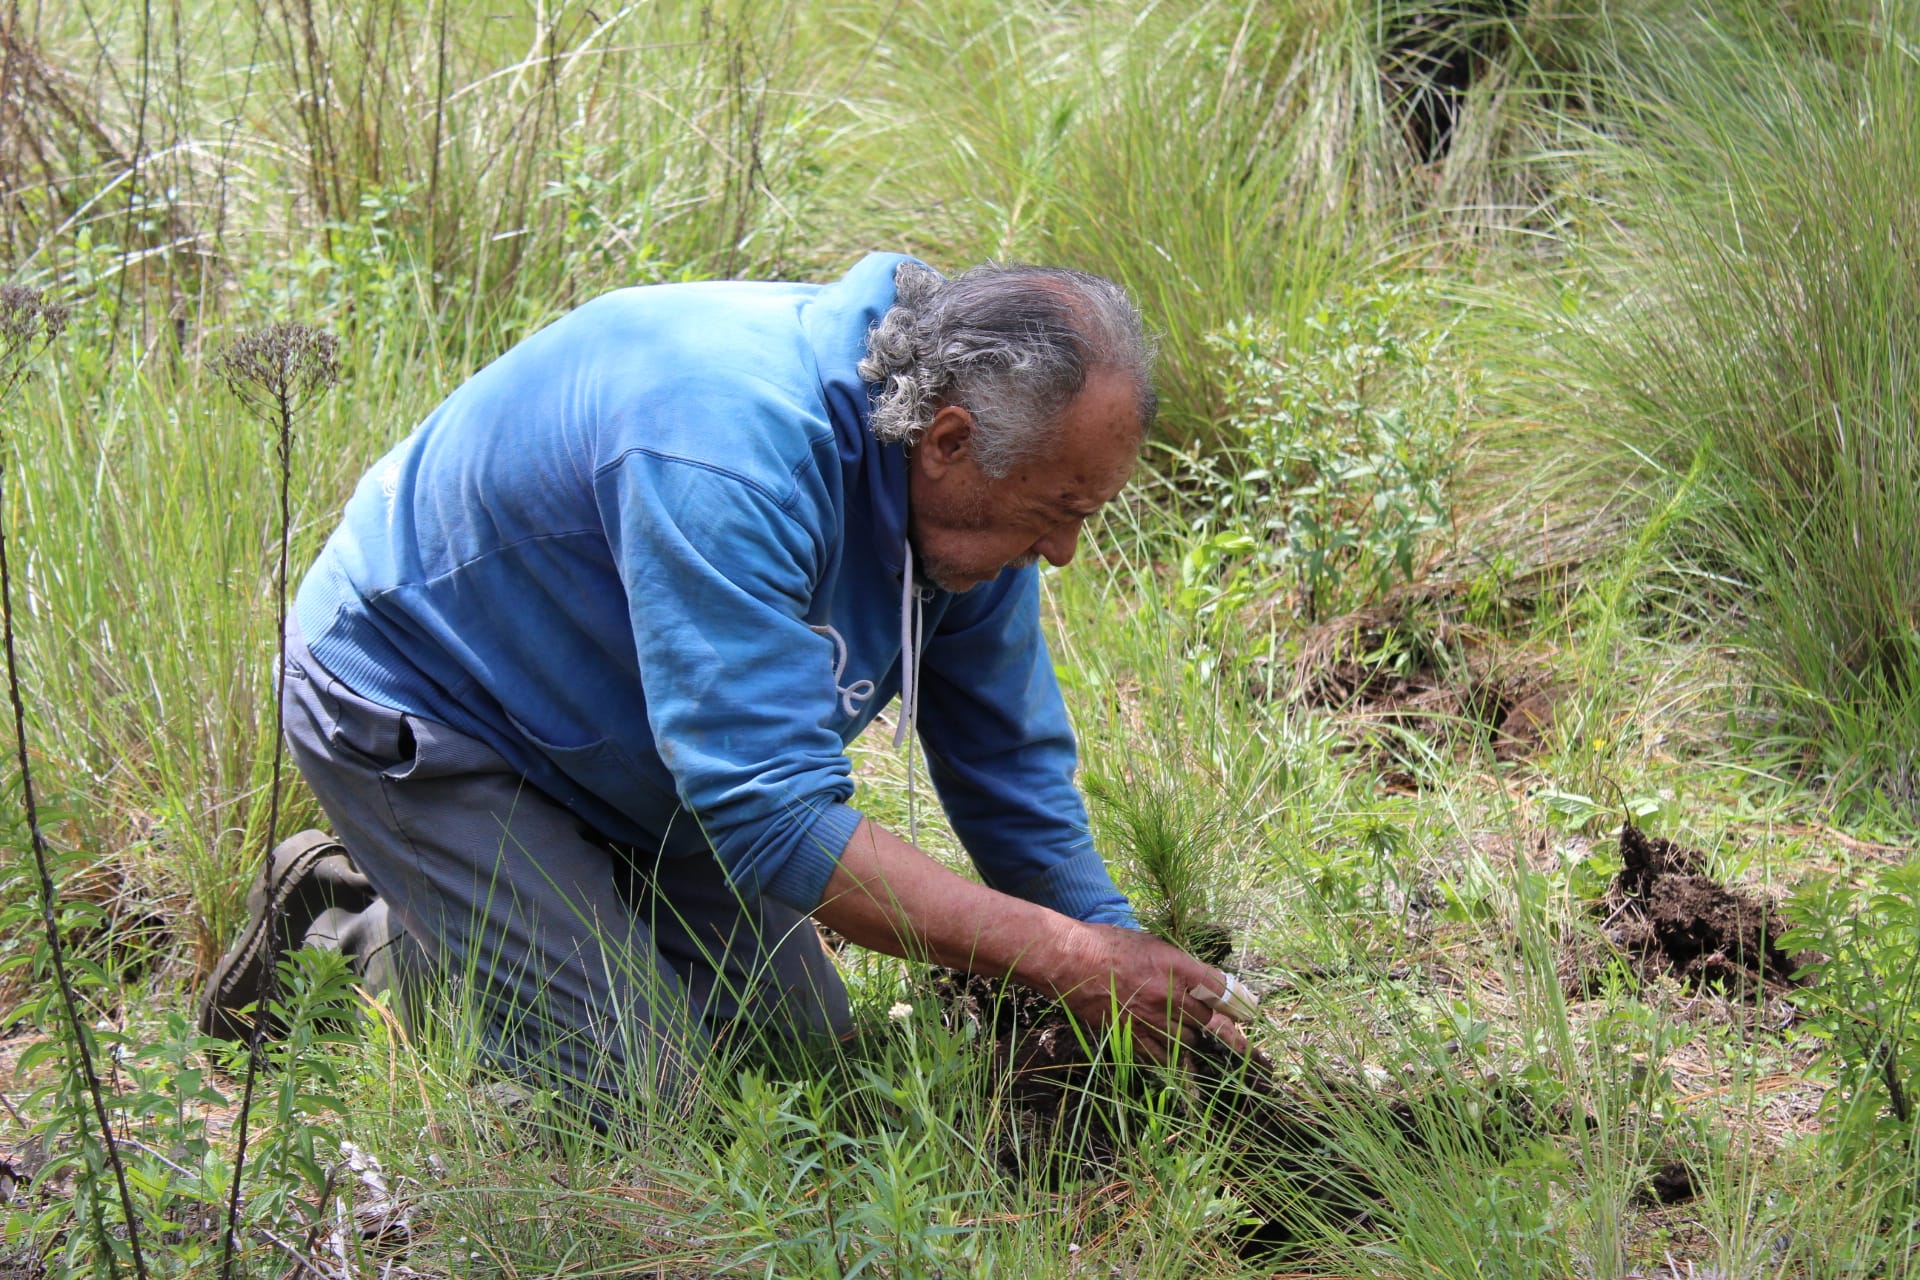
{"x": 1058, "y": 546}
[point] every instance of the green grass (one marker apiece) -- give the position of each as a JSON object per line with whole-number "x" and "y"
{"x": 1669, "y": 259}
{"x": 1765, "y": 372}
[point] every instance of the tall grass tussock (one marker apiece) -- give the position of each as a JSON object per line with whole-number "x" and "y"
{"x": 1770, "y": 202}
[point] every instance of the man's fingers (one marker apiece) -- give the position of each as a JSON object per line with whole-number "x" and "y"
{"x": 1229, "y": 1032}
{"x": 1196, "y": 1017}
{"x": 1172, "y": 1004}
{"x": 1222, "y": 1029}
{"x": 1172, "y": 996}
{"x": 1194, "y": 1011}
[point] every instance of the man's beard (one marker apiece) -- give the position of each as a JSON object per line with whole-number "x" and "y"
{"x": 949, "y": 576}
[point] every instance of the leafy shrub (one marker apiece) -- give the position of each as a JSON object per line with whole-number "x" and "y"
{"x": 1345, "y": 439}
{"x": 180, "y": 1173}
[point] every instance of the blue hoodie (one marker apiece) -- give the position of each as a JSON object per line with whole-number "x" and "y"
{"x": 654, "y": 557}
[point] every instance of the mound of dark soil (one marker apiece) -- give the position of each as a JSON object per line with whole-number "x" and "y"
{"x": 1673, "y": 919}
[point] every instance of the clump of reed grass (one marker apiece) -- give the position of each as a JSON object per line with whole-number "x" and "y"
{"x": 1767, "y": 196}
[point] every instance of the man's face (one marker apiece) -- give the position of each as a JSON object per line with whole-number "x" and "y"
{"x": 966, "y": 526}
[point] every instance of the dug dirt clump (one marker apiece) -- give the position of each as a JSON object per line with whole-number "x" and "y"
{"x": 1672, "y": 919}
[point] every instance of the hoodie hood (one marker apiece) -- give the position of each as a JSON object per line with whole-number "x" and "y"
{"x": 838, "y": 321}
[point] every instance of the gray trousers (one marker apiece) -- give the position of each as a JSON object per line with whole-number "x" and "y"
{"x": 603, "y": 969}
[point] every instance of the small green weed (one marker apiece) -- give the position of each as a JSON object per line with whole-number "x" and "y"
{"x": 178, "y": 1174}
{"x": 1864, "y": 1005}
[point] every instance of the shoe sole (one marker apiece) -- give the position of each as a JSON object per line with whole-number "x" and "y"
{"x": 239, "y": 980}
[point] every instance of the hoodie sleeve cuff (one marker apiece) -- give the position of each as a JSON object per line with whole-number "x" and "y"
{"x": 802, "y": 879}
{"x": 1080, "y": 887}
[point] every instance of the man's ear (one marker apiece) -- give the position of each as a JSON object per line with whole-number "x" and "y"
{"x": 947, "y": 441}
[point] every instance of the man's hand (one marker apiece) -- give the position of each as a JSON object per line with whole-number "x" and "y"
{"x": 887, "y": 895}
{"x": 1115, "y": 972}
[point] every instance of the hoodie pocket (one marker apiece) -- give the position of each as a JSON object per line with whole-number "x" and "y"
{"x": 606, "y": 772}
{"x": 599, "y": 766}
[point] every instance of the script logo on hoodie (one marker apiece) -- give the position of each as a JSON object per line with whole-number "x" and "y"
{"x": 852, "y": 696}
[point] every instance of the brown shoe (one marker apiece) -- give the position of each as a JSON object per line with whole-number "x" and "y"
{"x": 306, "y": 874}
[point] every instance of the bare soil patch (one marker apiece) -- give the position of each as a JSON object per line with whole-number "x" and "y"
{"x": 1412, "y": 663}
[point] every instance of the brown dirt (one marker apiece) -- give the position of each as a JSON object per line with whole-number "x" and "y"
{"x": 1038, "y": 1049}
{"x": 1674, "y": 920}
{"x": 1410, "y": 663}
{"x": 1672, "y": 1183}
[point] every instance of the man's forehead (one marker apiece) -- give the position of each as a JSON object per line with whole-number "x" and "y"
{"x": 1083, "y": 490}
{"x": 1097, "y": 446}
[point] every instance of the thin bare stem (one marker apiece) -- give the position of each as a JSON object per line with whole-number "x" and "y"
{"x": 130, "y": 223}
{"x": 27, "y": 323}
{"x": 274, "y": 372}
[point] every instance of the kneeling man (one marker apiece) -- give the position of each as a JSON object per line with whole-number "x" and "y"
{"x": 575, "y": 677}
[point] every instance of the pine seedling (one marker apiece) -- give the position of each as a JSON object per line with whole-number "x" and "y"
{"x": 1172, "y": 847}
{"x": 28, "y": 325}
{"x": 276, "y": 373}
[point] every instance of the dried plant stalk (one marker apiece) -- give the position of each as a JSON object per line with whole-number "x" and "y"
{"x": 276, "y": 373}
{"x": 28, "y": 324}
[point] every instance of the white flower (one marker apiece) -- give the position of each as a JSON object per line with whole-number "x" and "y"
{"x": 901, "y": 1011}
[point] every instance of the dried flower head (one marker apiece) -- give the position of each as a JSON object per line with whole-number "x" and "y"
{"x": 276, "y": 370}
{"x": 27, "y": 322}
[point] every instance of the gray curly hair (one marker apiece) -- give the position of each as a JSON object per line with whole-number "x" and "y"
{"x": 1011, "y": 344}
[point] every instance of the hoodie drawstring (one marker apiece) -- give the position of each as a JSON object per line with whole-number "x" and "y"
{"x": 912, "y": 637}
